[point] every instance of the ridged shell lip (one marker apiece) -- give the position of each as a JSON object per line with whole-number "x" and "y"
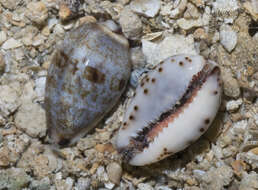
{"x": 149, "y": 133}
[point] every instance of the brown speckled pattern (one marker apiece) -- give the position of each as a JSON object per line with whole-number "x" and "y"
{"x": 88, "y": 74}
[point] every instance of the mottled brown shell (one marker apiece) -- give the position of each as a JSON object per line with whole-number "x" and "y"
{"x": 88, "y": 74}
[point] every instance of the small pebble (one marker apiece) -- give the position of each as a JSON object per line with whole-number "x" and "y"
{"x": 226, "y": 10}
{"x": 83, "y": 183}
{"x": 2, "y": 123}
{"x": 104, "y": 148}
{"x": 177, "y": 9}
{"x": 114, "y": 172}
{"x": 191, "y": 12}
{"x": 4, "y": 157}
{"x": 14, "y": 178}
{"x": 9, "y": 100}
{"x": 249, "y": 181}
{"x": 69, "y": 181}
{"x": 31, "y": 119}
{"x": 200, "y": 34}
{"x": 144, "y": 186}
{"x": 43, "y": 184}
{"x": 217, "y": 178}
{"x": 11, "y": 44}
{"x": 254, "y": 151}
{"x": 64, "y": 12}
{"x": 233, "y": 104}
{"x": 148, "y": 8}
{"x": 9, "y": 4}
{"x": 37, "y": 12}
{"x": 187, "y": 24}
{"x": 230, "y": 84}
{"x": 87, "y": 19}
{"x": 239, "y": 166}
{"x": 228, "y": 37}
{"x": 169, "y": 46}
{"x": 3, "y": 37}
{"x": 137, "y": 57}
{"x": 131, "y": 24}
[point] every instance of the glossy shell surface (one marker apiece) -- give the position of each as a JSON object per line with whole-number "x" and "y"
{"x": 88, "y": 74}
{"x": 172, "y": 107}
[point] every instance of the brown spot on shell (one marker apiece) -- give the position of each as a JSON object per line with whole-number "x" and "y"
{"x": 172, "y": 60}
{"x": 207, "y": 121}
{"x": 75, "y": 68}
{"x": 215, "y": 92}
{"x": 201, "y": 130}
{"x": 131, "y": 117}
{"x": 60, "y": 59}
{"x": 147, "y": 79}
{"x": 51, "y": 81}
{"x": 160, "y": 69}
{"x": 64, "y": 142}
{"x": 161, "y": 62}
{"x": 188, "y": 59}
{"x": 153, "y": 80}
{"x": 69, "y": 90}
{"x": 62, "y": 53}
{"x": 142, "y": 84}
{"x": 94, "y": 75}
{"x": 124, "y": 126}
{"x": 135, "y": 108}
{"x": 145, "y": 91}
{"x": 181, "y": 63}
{"x": 84, "y": 93}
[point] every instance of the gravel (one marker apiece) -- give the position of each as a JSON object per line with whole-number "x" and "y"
{"x": 225, "y": 157}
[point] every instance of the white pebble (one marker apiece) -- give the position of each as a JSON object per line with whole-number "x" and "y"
{"x": 3, "y": 37}
{"x": 233, "y": 104}
{"x": 148, "y": 8}
{"x": 228, "y": 37}
{"x": 11, "y": 44}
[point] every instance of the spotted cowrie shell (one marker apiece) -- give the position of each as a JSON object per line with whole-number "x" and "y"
{"x": 88, "y": 73}
{"x": 174, "y": 105}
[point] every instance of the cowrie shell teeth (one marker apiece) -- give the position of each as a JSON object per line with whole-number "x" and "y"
{"x": 173, "y": 106}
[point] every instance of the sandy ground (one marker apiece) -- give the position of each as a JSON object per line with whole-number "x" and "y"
{"x": 225, "y": 157}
